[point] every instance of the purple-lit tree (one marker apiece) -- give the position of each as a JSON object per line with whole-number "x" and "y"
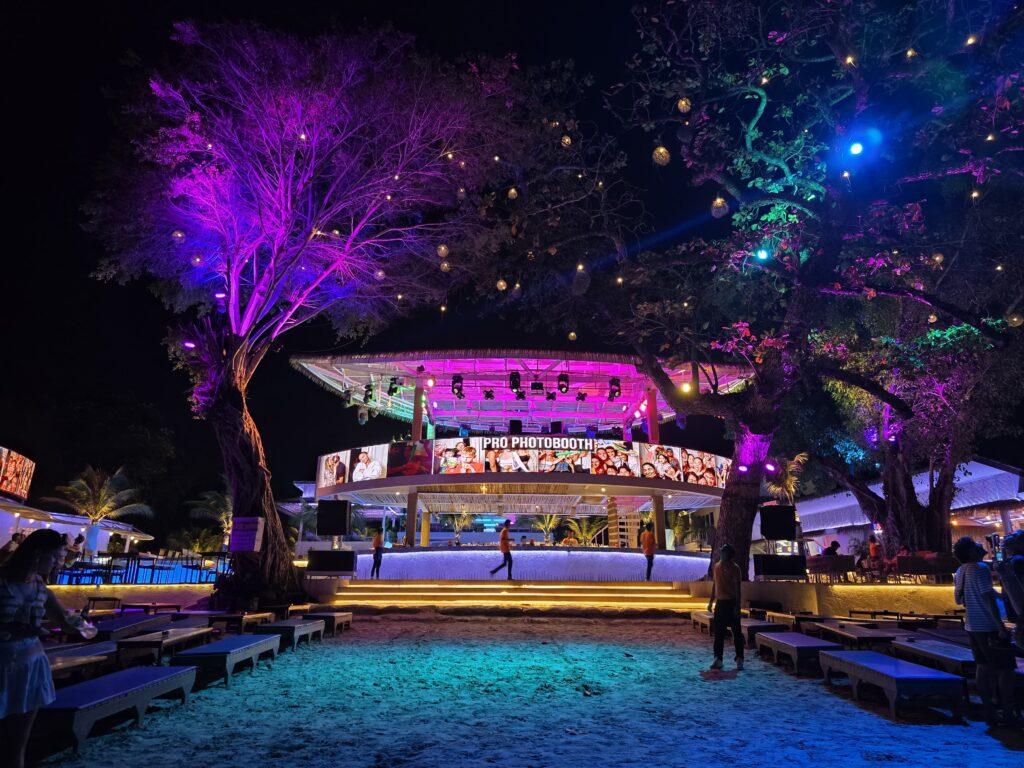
{"x": 275, "y": 181}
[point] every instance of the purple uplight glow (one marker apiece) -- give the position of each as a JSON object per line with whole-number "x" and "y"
{"x": 769, "y": 467}
{"x": 220, "y": 295}
{"x": 743, "y": 468}
{"x": 188, "y": 344}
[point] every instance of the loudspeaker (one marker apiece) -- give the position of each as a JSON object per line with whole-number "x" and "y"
{"x": 556, "y": 427}
{"x": 333, "y": 517}
{"x": 332, "y": 560}
{"x": 781, "y": 566}
{"x": 515, "y": 426}
{"x": 778, "y": 523}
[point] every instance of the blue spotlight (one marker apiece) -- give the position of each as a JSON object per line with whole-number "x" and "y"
{"x": 762, "y": 253}
{"x": 856, "y": 148}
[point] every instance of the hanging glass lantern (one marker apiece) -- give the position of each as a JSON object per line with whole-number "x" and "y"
{"x": 1015, "y": 319}
{"x": 446, "y": 266}
{"x": 442, "y": 251}
{"x": 719, "y": 207}
{"x": 661, "y": 155}
{"x": 380, "y": 275}
{"x": 566, "y": 140}
{"x": 572, "y": 335}
{"x": 933, "y": 318}
{"x": 177, "y": 235}
{"x": 513, "y": 193}
{"x": 684, "y": 105}
{"x": 501, "y": 284}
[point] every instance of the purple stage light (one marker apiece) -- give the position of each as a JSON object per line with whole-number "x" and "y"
{"x": 188, "y": 344}
{"x": 220, "y": 295}
{"x": 743, "y": 468}
{"x": 769, "y": 467}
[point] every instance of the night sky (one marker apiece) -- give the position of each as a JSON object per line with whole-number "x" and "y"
{"x": 84, "y": 376}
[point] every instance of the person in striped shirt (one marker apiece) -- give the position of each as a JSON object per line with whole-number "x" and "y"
{"x": 993, "y": 654}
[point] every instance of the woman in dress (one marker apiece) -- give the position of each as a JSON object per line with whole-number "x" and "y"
{"x": 509, "y": 461}
{"x": 25, "y": 680}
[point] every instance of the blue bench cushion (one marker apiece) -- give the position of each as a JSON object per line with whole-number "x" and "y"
{"x": 898, "y": 669}
{"x": 113, "y": 686}
{"x": 225, "y": 645}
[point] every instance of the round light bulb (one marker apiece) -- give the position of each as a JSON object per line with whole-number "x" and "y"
{"x": 566, "y": 140}
{"x": 501, "y": 284}
{"x": 661, "y": 155}
{"x": 572, "y": 335}
{"x": 513, "y": 193}
{"x": 684, "y": 105}
{"x": 446, "y": 266}
{"x": 442, "y": 251}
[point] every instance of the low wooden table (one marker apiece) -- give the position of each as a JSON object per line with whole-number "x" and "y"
{"x": 949, "y": 657}
{"x": 241, "y": 620}
{"x": 165, "y": 640}
{"x": 153, "y": 608}
{"x": 293, "y": 630}
{"x": 816, "y": 628}
{"x": 65, "y": 666}
{"x": 796, "y": 646}
{"x": 126, "y": 626}
{"x": 333, "y": 620}
{"x": 286, "y": 611}
{"x": 859, "y": 637}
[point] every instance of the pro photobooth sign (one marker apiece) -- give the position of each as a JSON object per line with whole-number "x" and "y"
{"x": 522, "y": 453}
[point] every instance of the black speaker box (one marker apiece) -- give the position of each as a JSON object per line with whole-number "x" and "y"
{"x": 515, "y": 427}
{"x": 556, "y": 427}
{"x": 781, "y": 566}
{"x": 333, "y": 517}
{"x": 334, "y": 560}
{"x": 778, "y": 523}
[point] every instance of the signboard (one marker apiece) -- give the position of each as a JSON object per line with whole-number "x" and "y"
{"x": 15, "y": 473}
{"x": 522, "y": 453}
{"x": 246, "y": 534}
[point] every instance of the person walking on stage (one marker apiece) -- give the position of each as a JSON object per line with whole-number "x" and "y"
{"x": 506, "y": 550}
{"x": 648, "y": 543}
{"x": 378, "y": 553}
{"x": 726, "y": 588}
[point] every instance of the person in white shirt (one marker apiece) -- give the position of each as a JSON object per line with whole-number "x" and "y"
{"x": 366, "y": 468}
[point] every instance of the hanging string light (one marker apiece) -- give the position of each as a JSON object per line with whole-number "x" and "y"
{"x": 566, "y": 140}
{"x": 446, "y": 266}
{"x": 661, "y": 155}
{"x": 501, "y": 284}
{"x": 572, "y": 335}
{"x": 380, "y": 274}
{"x": 911, "y": 53}
{"x": 719, "y": 207}
{"x": 684, "y": 105}
{"x": 1015, "y": 319}
{"x": 938, "y": 258}
{"x": 933, "y": 318}
{"x": 442, "y": 251}
{"x": 513, "y": 193}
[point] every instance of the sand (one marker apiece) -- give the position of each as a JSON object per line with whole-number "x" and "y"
{"x": 456, "y": 691}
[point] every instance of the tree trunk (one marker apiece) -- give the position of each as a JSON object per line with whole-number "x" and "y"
{"x": 741, "y": 495}
{"x": 269, "y": 574}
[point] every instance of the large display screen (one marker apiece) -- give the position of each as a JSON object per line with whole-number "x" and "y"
{"x": 522, "y": 453}
{"x": 15, "y": 473}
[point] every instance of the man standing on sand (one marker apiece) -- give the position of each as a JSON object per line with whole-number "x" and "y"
{"x": 726, "y": 587}
{"x": 648, "y": 544}
{"x": 506, "y": 550}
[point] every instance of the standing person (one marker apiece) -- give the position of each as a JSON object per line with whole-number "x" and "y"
{"x": 378, "y": 553}
{"x": 832, "y": 550}
{"x": 25, "y": 680}
{"x": 726, "y": 588}
{"x": 506, "y": 550}
{"x": 74, "y": 553}
{"x": 993, "y": 655}
{"x": 648, "y": 543}
{"x": 8, "y": 549}
{"x": 58, "y": 562}
{"x": 1011, "y": 576}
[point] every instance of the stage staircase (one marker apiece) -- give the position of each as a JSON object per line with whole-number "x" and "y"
{"x": 489, "y": 596}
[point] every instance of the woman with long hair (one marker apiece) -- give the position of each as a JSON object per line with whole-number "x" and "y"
{"x": 25, "y": 680}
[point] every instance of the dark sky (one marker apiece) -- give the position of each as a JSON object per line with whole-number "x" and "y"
{"x": 84, "y": 377}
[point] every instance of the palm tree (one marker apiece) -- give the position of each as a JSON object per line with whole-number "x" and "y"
{"x": 458, "y": 523}
{"x": 305, "y": 520}
{"x": 586, "y": 528}
{"x": 100, "y": 496}
{"x": 546, "y": 524}
{"x": 786, "y": 481}
{"x": 197, "y": 540}
{"x": 216, "y": 506}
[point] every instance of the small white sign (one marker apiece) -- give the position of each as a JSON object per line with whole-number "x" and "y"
{"x": 246, "y": 534}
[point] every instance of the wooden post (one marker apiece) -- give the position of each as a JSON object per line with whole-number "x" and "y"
{"x": 658, "y": 508}
{"x": 412, "y": 501}
{"x": 653, "y": 428}
{"x": 417, "y": 412}
{"x": 425, "y": 528}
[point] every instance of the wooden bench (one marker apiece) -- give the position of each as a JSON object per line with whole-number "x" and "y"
{"x": 78, "y": 707}
{"x": 796, "y": 646}
{"x": 155, "y": 644}
{"x": 221, "y": 657}
{"x": 897, "y": 678}
{"x": 240, "y": 621}
{"x": 291, "y": 631}
{"x": 107, "y": 648}
{"x": 704, "y": 621}
{"x": 286, "y": 611}
{"x": 701, "y": 621}
{"x": 333, "y": 620}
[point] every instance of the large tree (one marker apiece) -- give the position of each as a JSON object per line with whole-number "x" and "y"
{"x": 274, "y": 181}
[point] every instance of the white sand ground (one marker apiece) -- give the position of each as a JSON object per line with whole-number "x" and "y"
{"x": 443, "y": 691}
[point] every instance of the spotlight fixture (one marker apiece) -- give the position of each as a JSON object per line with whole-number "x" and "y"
{"x": 431, "y": 381}
{"x": 581, "y": 396}
{"x": 563, "y": 383}
{"x": 457, "y": 385}
{"x": 614, "y": 388}
{"x": 520, "y": 394}
{"x": 551, "y": 396}
{"x": 514, "y": 381}
{"x": 488, "y": 394}
{"x": 393, "y": 386}
{"x": 537, "y": 386}
{"x": 368, "y": 392}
